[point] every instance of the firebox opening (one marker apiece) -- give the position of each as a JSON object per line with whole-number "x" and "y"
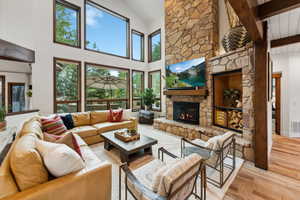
{"x": 186, "y": 112}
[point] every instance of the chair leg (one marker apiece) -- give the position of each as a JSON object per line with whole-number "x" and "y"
{"x": 221, "y": 170}
{"x": 120, "y": 191}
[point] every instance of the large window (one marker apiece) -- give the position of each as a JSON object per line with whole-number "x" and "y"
{"x": 137, "y": 89}
{"x": 67, "y": 93}
{"x": 155, "y": 84}
{"x": 154, "y": 46}
{"x": 16, "y": 97}
{"x": 2, "y": 90}
{"x": 137, "y": 46}
{"x": 106, "y": 31}
{"x": 67, "y": 23}
{"x": 106, "y": 87}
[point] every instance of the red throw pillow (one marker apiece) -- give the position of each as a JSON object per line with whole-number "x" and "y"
{"x": 76, "y": 145}
{"x": 115, "y": 116}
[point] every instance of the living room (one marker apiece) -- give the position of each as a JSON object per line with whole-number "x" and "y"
{"x": 137, "y": 99}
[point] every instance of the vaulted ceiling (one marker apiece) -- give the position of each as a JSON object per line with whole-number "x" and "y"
{"x": 148, "y": 10}
{"x": 284, "y": 25}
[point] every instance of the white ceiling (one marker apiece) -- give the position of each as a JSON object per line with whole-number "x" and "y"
{"x": 148, "y": 10}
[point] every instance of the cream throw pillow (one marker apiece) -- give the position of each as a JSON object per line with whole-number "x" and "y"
{"x": 59, "y": 159}
{"x": 126, "y": 115}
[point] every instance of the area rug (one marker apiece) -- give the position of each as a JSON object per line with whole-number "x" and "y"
{"x": 169, "y": 142}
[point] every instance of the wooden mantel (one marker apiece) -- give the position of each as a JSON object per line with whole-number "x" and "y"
{"x": 199, "y": 92}
{"x": 13, "y": 52}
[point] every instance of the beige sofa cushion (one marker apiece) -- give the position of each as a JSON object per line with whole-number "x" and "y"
{"x": 110, "y": 126}
{"x": 84, "y": 131}
{"x": 26, "y": 163}
{"x": 99, "y": 116}
{"x": 81, "y": 119}
{"x": 33, "y": 125}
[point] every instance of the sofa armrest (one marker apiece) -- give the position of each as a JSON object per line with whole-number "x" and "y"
{"x": 92, "y": 183}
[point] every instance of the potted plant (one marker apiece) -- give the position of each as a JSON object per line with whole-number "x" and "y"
{"x": 148, "y": 98}
{"x": 2, "y": 118}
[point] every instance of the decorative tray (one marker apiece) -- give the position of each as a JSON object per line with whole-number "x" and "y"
{"x": 127, "y": 136}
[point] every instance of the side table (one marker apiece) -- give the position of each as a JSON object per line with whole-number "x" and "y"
{"x": 146, "y": 117}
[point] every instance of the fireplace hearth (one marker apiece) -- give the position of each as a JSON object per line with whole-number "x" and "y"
{"x": 186, "y": 112}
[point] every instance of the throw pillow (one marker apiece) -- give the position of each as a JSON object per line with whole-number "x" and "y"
{"x": 126, "y": 115}
{"x": 59, "y": 159}
{"x": 27, "y": 164}
{"x": 68, "y": 121}
{"x": 157, "y": 177}
{"x": 53, "y": 125}
{"x": 51, "y": 137}
{"x": 71, "y": 142}
{"x": 179, "y": 169}
{"x": 115, "y": 116}
{"x": 68, "y": 139}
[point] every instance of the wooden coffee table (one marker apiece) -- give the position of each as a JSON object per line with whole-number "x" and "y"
{"x": 130, "y": 150}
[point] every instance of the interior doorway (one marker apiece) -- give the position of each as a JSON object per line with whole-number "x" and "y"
{"x": 276, "y": 102}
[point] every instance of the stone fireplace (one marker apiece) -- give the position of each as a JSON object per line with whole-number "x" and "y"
{"x": 242, "y": 60}
{"x": 191, "y": 31}
{"x": 186, "y": 112}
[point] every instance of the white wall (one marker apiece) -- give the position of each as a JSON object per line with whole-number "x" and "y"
{"x": 16, "y": 22}
{"x": 15, "y": 18}
{"x": 160, "y": 64}
{"x": 224, "y": 26}
{"x": 288, "y": 64}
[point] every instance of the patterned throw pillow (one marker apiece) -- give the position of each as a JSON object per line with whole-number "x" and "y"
{"x": 51, "y": 137}
{"x": 115, "y": 116}
{"x": 53, "y": 125}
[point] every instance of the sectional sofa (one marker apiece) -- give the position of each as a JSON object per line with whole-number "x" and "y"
{"x": 24, "y": 177}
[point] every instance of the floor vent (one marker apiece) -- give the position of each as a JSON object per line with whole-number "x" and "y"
{"x": 296, "y": 126}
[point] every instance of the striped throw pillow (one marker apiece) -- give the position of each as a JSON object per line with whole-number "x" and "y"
{"x": 54, "y": 125}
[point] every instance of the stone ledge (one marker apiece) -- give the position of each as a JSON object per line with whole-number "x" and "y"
{"x": 244, "y": 147}
{"x": 248, "y": 46}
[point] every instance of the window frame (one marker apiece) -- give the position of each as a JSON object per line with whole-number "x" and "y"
{"x": 150, "y": 86}
{"x": 106, "y": 100}
{"x": 3, "y": 90}
{"x": 73, "y": 7}
{"x": 143, "y": 88}
{"x": 113, "y": 13}
{"x": 10, "y": 86}
{"x": 78, "y": 101}
{"x": 150, "y": 36}
{"x": 142, "y": 35}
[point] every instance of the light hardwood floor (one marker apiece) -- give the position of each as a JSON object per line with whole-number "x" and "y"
{"x": 281, "y": 182}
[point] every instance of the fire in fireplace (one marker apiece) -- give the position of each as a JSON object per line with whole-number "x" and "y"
{"x": 186, "y": 112}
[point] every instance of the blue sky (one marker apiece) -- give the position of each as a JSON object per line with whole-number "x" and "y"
{"x": 107, "y": 31}
{"x": 180, "y": 67}
{"x": 155, "y": 41}
{"x": 136, "y": 42}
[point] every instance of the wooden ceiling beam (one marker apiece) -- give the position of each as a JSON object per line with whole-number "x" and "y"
{"x": 285, "y": 41}
{"x": 13, "y": 52}
{"x": 275, "y": 7}
{"x": 247, "y": 13}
